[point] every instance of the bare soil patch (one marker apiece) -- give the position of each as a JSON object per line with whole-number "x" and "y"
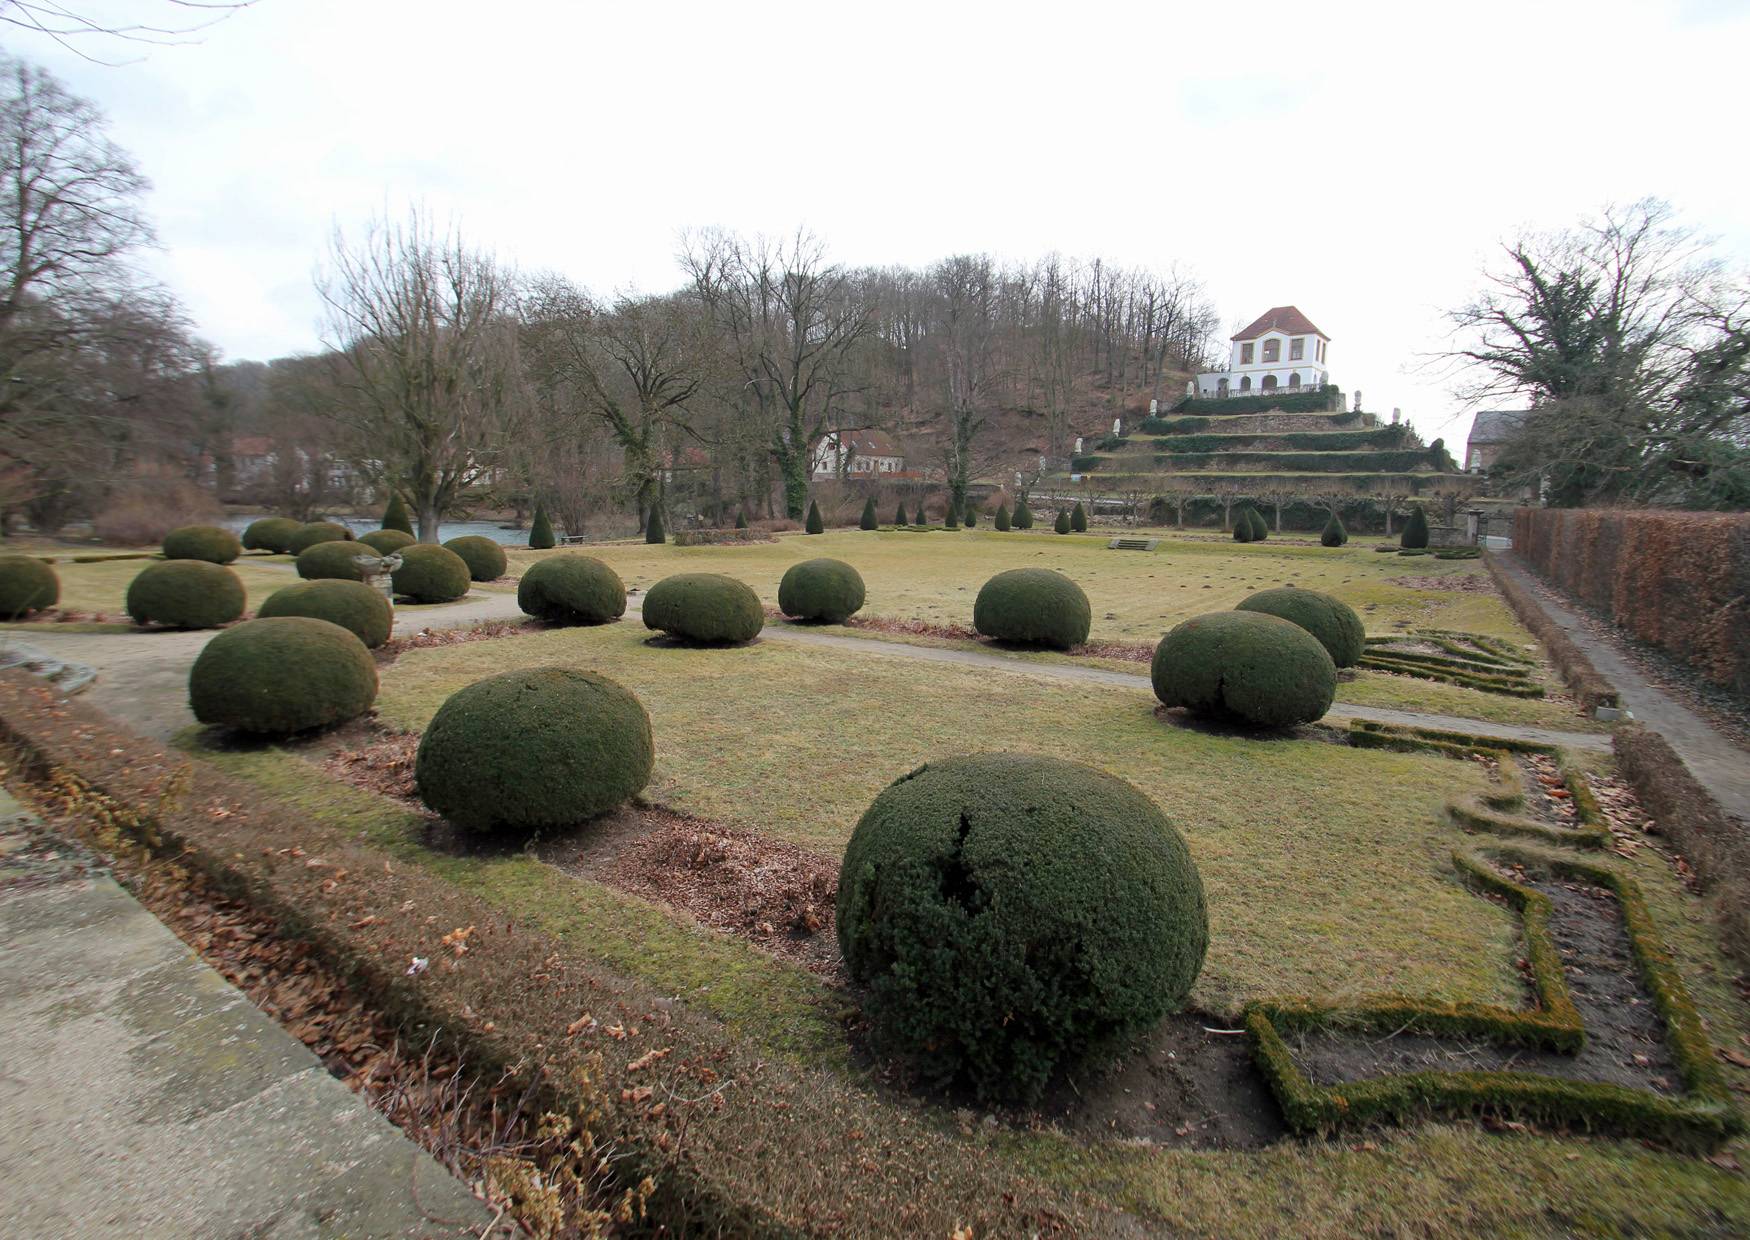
{"x": 1462, "y": 583}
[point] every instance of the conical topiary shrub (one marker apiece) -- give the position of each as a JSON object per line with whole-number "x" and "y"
{"x": 814, "y": 525}
{"x": 1260, "y": 529}
{"x": 741, "y": 519}
{"x": 1023, "y": 518}
{"x": 1415, "y": 529}
{"x": 950, "y": 520}
{"x": 1002, "y": 520}
{"x": 920, "y": 517}
{"x": 969, "y": 518}
{"x": 1078, "y": 518}
{"x": 395, "y": 515}
{"x": 1062, "y": 524}
{"x": 1335, "y": 535}
{"x": 868, "y": 520}
{"x": 653, "y": 531}
{"x": 899, "y": 515}
{"x": 540, "y": 530}
{"x": 1243, "y": 525}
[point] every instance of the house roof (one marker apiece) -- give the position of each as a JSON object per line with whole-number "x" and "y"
{"x": 1286, "y": 319}
{"x": 1496, "y": 425}
{"x": 869, "y": 443}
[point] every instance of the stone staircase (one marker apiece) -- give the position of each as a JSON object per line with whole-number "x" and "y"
{"x": 1132, "y": 544}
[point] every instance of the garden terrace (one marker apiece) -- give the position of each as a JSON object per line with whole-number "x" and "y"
{"x": 682, "y": 938}
{"x": 1394, "y": 461}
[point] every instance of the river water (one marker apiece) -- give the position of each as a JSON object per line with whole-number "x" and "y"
{"x": 446, "y": 530}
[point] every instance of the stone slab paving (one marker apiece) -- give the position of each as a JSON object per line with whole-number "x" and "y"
{"x": 1721, "y": 767}
{"x": 142, "y": 1095}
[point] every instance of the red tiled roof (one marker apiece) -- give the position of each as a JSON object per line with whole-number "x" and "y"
{"x": 1286, "y": 319}
{"x": 870, "y": 443}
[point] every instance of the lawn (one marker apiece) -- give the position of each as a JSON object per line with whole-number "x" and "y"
{"x": 1135, "y": 596}
{"x": 101, "y": 588}
{"x": 795, "y": 741}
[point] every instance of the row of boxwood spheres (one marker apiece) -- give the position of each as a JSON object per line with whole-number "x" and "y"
{"x": 202, "y": 542}
{"x": 26, "y": 585}
{"x": 427, "y": 574}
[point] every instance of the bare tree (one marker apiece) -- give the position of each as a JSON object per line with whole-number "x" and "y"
{"x": 792, "y": 322}
{"x": 425, "y": 340}
{"x": 75, "y": 26}
{"x": 967, "y": 287}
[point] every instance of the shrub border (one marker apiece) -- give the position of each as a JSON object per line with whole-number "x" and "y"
{"x": 1702, "y": 1118}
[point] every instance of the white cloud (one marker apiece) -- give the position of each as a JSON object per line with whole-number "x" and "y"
{"x": 1357, "y": 160}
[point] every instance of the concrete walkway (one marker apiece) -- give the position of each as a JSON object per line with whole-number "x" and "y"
{"x": 142, "y": 1095}
{"x": 1719, "y": 765}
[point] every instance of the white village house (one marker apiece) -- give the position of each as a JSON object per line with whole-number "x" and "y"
{"x": 1281, "y": 350}
{"x": 856, "y": 454}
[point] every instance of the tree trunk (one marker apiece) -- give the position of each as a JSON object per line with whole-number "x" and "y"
{"x": 428, "y": 521}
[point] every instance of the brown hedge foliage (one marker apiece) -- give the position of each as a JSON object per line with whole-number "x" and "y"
{"x": 1679, "y": 580}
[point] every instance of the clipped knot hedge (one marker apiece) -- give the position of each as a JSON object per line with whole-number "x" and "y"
{"x": 571, "y": 589}
{"x": 202, "y": 542}
{"x": 485, "y": 559}
{"x": 1245, "y": 665}
{"x": 354, "y": 606}
{"x": 826, "y": 590}
{"x": 26, "y": 585}
{"x": 337, "y": 561}
{"x": 282, "y": 675}
{"x": 387, "y": 542}
{"x": 271, "y": 534}
{"x": 1336, "y": 624}
{"x": 186, "y": 594}
{"x": 431, "y": 574}
{"x": 1034, "y": 606}
{"x": 704, "y": 607}
{"x": 534, "y": 748}
{"x": 317, "y": 532}
{"x": 1005, "y": 910}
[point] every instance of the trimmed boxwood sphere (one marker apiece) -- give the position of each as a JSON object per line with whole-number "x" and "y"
{"x": 1035, "y": 606}
{"x": 26, "y": 585}
{"x": 704, "y": 607}
{"x": 1331, "y": 620}
{"x": 282, "y": 675}
{"x": 387, "y": 542}
{"x": 202, "y": 542}
{"x": 354, "y": 606}
{"x": 271, "y": 534}
{"x": 334, "y": 560}
{"x": 538, "y": 747}
{"x": 1245, "y": 664}
{"x": 485, "y": 559}
{"x": 318, "y": 532}
{"x": 571, "y": 589}
{"x": 1004, "y": 910}
{"x": 430, "y": 574}
{"x": 185, "y": 594}
{"x": 827, "y": 590}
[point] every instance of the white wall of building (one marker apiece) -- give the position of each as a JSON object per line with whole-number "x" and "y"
{"x": 1248, "y": 369}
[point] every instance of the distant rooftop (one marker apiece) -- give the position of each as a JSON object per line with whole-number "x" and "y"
{"x": 1286, "y": 319}
{"x": 1496, "y": 425}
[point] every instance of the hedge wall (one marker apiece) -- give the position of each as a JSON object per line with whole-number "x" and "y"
{"x": 1376, "y": 439}
{"x": 1402, "y": 461}
{"x": 1678, "y": 580}
{"x": 1324, "y": 399}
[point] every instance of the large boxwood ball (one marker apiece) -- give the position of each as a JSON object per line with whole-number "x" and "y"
{"x": 271, "y": 534}
{"x": 26, "y": 585}
{"x": 1005, "y": 910}
{"x": 318, "y": 532}
{"x": 282, "y": 675}
{"x": 571, "y": 589}
{"x": 1244, "y": 664}
{"x": 704, "y": 607}
{"x": 538, "y": 747}
{"x": 430, "y": 574}
{"x": 361, "y": 610}
{"x": 337, "y": 561}
{"x": 186, "y": 594}
{"x": 387, "y": 542}
{"x": 827, "y": 590}
{"x": 202, "y": 542}
{"x": 485, "y": 559}
{"x": 1336, "y": 624}
{"x": 1034, "y": 606}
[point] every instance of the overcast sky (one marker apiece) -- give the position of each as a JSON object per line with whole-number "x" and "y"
{"x": 1356, "y": 160}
